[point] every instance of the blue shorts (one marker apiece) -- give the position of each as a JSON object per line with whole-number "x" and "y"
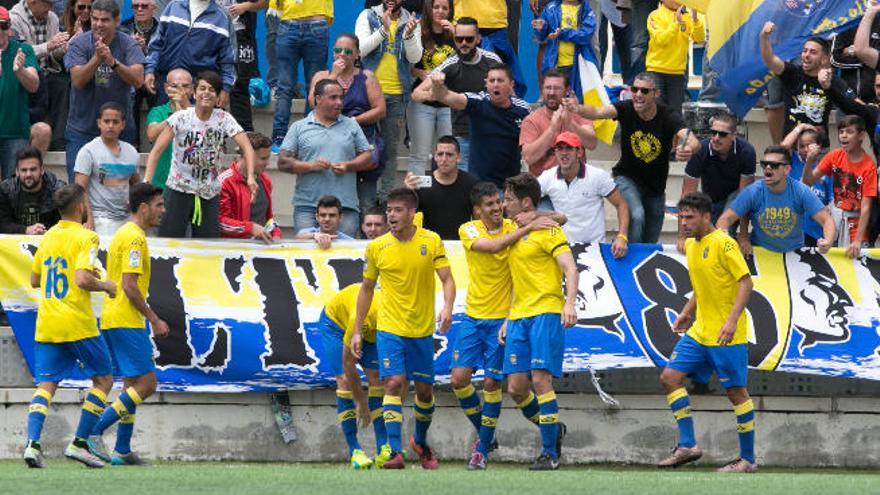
{"x": 403, "y": 355}
{"x": 331, "y": 337}
{"x": 131, "y": 351}
{"x": 535, "y": 343}
{"x": 476, "y": 346}
{"x": 731, "y": 362}
{"x": 54, "y": 362}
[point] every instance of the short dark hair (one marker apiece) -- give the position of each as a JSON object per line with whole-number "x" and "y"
{"x": 111, "y": 105}
{"x": 482, "y": 190}
{"x": 555, "y": 73}
{"x": 211, "y": 78}
{"x": 374, "y": 211}
{"x": 404, "y": 195}
{"x": 778, "y": 150}
{"x": 68, "y": 196}
{"x": 258, "y": 140}
{"x": 524, "y": 186}
{"x": 726, "y": 117}
{"x": 467, "y": 21}
{"x": 506, "y": 68}
{"x": 28, "y": 153}
{"x": 648, "y": 77}
{"x": 447, "y": 139}
{"x": 321, "y": 86}
{"x": 852, "y": 121}
{"x": 823, "y": 43}
{"x": 330, "y": 201}
{"x": 106, "y": 6}
{"x": 816, "y": 132}
{"x": 142, "y": 193}
{"x": 697, "y": 201}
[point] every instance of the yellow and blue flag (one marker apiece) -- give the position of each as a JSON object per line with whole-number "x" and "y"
{"x": 734, "y": 38}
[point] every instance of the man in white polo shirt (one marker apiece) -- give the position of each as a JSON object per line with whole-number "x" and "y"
{"x": 578, "y": 190}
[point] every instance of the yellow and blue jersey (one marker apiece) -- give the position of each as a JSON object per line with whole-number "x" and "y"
{"x": 342, "y": 308}
{"x": 715, "y": 266}
{"x": 537, "y": 278}
{"x": 489, "y": 282}
{"x": 65, "y": 310}
{"x": 128, "y": 253}
{"x": 405, "y": 270}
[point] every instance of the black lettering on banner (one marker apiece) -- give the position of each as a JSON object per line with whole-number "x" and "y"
{"x": 873, "y": 266}
{"x": 589, "y": 284}
{"x": 823, "y": 295}
{"x": 658, "y": 328}
{"x": 348, "y": 271}
{"x": 309, "y": 270}
{"x": 287, "y": 342}
{"x": 30, "y": 248}
{"x": 764, "y": 322}
{"x": 218, "y": 354}
{"x": 165, "y": 299}
{"x": 232, "y": 270}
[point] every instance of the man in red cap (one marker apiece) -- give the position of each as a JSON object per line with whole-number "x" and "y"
{"x": 18, "y": 77}
{"x": 578, "y": 190}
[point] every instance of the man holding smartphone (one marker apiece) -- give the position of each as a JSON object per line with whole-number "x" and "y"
{"x": 445, "y": 195}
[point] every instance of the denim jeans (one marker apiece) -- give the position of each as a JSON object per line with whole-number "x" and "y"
{"x": 426, "y": 124}
{"x": 297, "y": 41}
{"x": 641, "y": 9}
{"x": 622, "y": 37}
{"x": 366, "y": 189}
{"x": 672, "y": 88}
{"x": 304, "y": 217}
{"x": 464, "y": 143}
{"x": 8, "y": 149}
{"x": 392, "y": 130}
{"x": 645, "y": 212}
{"x": 272, "y": 50}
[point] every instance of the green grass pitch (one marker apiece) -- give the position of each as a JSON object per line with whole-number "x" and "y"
{"x": 166, "y": 478}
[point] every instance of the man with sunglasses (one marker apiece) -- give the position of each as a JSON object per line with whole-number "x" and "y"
{"x": 777, "y": 207}
{"x": 649, "y": 132}
{"x": 724, "y": 165}
{"x": 18, "y": 78}
{"x": 465, "y": 72}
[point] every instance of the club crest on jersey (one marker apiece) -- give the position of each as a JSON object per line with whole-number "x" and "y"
{"x": 706, "y": 252}
{"x": 455, "y": 355}
{"x": 386, "y": 362}
{"x": 423, "y": 249}
{"x": 513, "y": 358}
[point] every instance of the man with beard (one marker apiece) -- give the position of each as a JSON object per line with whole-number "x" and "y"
{"x": 541, "y": 128}
{"x": 496, "y": 116}
{"x": 26, "y": 205}
{"x": 806, "y": 101}
{"x": 465, "y": 72}
{"x": 649, "y": 132}
{"x": 777, "y": 207}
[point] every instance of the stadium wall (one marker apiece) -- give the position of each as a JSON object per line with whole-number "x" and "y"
{"x": 791, "y": 431}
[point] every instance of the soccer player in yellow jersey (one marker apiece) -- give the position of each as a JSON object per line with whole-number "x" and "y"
{"x": 336, "y": 324}
{"x": 476, "y": 342}
{"x": 403, "y": 262}
{"x": 535, "y": 335}
{"x": 123, "y": 325}
{"x": 717, "y": 340}
{"x": 65, "y": 268}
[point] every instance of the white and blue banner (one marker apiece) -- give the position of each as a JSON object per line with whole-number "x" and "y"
{"x": 244, "y": 316}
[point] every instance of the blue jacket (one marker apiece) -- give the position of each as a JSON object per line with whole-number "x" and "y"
{"x": 582, "y": 38}
{"x": 408, "y": 51}
{"x": 206, "y": 44}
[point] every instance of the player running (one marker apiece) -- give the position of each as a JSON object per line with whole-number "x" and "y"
{"x": 66, "y": 267}
{"x": 476, "y": 343}
{"x": 404, "y": 261}
{"x": 717, "y": 340}
{"x": 535, "y": 334}
{"x": 336, "y": 324}
{"x": 123, "y": 324}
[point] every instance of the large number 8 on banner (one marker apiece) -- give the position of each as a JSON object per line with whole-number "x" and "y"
{"x": 56, "y": 280}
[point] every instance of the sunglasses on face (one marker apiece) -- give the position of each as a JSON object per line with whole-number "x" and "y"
{"x": 644, "y": 91}
{"x": 772, "y": 165}
{"x": 4, "y": 26}
{"x": 721, "y": 134}
{"x": 83, "y": 7}
{"x": 347, "y": 51}
{"x": 465, "y": 39}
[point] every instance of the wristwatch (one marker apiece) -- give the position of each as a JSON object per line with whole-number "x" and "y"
{"x": 114, "y": 64}
{"x": 851, "y": 51}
